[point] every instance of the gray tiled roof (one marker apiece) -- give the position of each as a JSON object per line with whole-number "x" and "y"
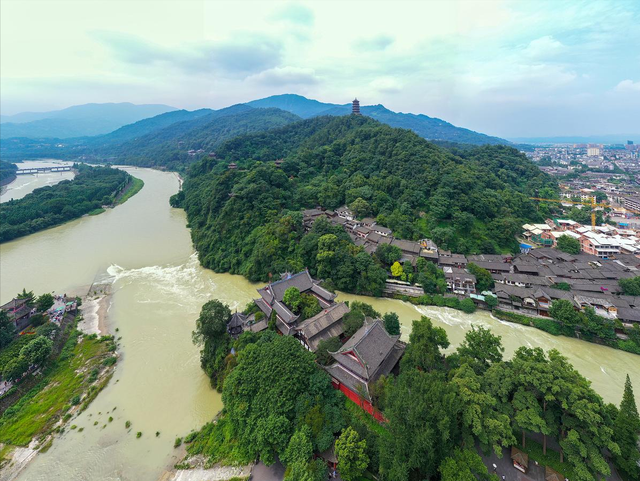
{"x": 324, "y": 325}
{"x": 366, "y": 350}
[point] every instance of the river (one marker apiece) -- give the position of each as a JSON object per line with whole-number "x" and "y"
{"x": 25, "y": 184}
{"x": 143, "y": 248}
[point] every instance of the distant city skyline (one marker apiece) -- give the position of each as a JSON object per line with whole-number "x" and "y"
{"x": 504, "y": 68}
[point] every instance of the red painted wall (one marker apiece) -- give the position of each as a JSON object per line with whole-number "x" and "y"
{"x": 363, "y": 403}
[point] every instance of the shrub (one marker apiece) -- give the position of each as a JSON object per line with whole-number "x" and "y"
{"x": 138, "y": 434}
{"x": 177, "y": 442}
{"x": 467, "y": 305}
{"x": 75, "y": 400}
{"x": 548, "y": 325}
{"x": 127, "y": 424}
{"x": 189, "y": 438}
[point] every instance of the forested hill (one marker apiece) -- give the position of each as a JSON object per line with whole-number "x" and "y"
{"x": 248, "y": 220}
{"x": 430, "y": 128}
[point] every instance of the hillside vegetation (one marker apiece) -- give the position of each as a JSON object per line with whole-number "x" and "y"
{"x": 248, "y": 220}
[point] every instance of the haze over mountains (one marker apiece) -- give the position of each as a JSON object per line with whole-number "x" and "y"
{"x": 77, "y": 121}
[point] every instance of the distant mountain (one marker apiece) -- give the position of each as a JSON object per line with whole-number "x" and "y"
{"x": 430, "y": 128}
{"x": 296, "y": 104}
{"x": 146, "y": 126}
{"x": 77, "y": 121}
{"x": 590, "y": 139}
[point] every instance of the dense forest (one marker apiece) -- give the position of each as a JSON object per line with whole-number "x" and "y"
{"x": 441, "y": 411}
{"x": 7, "y": 171}
{"x": 248, "y": 220}
{"x": 48, "y": 206}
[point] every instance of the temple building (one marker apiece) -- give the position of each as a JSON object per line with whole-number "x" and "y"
{"x": 236, "y": 324}
{"x": 355, "y": 107}
{"x": 18, "y": 312}
{"x": 271, "y": 299}
{"x": 323, "y": 326}
{"x": 370, "y": 353}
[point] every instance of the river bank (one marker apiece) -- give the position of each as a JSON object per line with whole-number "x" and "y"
{"x": 65, "y": 388}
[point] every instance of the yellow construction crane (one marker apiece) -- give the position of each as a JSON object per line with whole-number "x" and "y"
{"x": 593, "y": 205}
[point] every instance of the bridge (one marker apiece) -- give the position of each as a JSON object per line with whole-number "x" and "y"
{"x": 37, "y": 170}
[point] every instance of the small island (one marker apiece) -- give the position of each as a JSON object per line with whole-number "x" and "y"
{"x": 89, "y": 193}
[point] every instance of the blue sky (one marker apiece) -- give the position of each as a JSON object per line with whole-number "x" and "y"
{"x": 506, "y": 68}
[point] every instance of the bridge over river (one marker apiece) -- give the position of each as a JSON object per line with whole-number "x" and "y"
{"x": 37, "y": 170}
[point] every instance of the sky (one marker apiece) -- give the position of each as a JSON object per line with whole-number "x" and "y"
{"x": 518, "y": 68}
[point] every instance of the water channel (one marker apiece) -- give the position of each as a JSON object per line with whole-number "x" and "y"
{"x": 143, "y": 249}
{"x": 25, "y": 184}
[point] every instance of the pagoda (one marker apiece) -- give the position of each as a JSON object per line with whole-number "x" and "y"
{"x": 355, "y": 107}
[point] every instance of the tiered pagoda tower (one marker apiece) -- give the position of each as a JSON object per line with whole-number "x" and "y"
{"x": 355, "y": 107}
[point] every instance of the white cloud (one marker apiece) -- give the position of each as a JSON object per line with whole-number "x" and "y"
{"x": 628, "y": 86}
{"x": 544, "y": 47}
{"x": 281, "y": 76}
{"x": 374, "y": 44}
{"x": 386, "y": 85}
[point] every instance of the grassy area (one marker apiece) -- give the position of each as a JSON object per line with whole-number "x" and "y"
{"x": 97, "y": 211}
{"x": 74, "y": 377}
{"x": 551, "y": 459}
{"x": 135, "y": 186}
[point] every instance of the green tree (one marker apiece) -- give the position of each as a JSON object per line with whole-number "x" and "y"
{"x": 481, "y": 349}
{"x": 484, "y": 281}
{"x": 631, "y": 286}
{"x": 480, "y": 414}
{"x": 392, "y": 323}
{"x": 396, "y": 269}
{"x": 467, "y": 305}
{"x": 388, "y": 254}
{"x": 325, "y": 347}
{"x": 37, "y": 351}
{"x": 15, "y": 368}
{"x": 563, "y": 286}
{"x": 211, "y": 335}
{"x": 563, "y": 311}
{"x": 29, "y": 296}
{"x": 292, "y": 299}
{"x": 44, "y": 302}
{"x": 568, "y": 244}
{"x": 353, "y": 321}
{"x": 300, "y": 448}
{"x": 351, "y": 455}
{"x": 360, "y": 207}
{"x": 308, "y": 306}
{"x": 7, "y": 329}
{"x": 425, "y": 341}
{"x": 491, "y": 301}
{"x": 275, "y": 390}
{"x": 423, "y": 410}
{"x": 465, "y": 465}
{"x": 626, "y": 428}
